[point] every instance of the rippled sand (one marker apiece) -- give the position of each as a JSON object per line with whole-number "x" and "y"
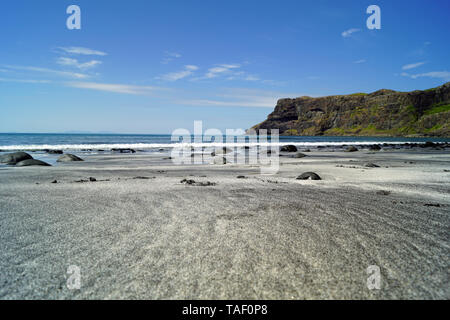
{"x": 262, "y": 237}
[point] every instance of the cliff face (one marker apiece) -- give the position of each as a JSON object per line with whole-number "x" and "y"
{"x": 381, "y": 113}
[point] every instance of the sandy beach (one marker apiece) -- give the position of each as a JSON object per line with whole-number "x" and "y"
{"x": 137, "y": 232}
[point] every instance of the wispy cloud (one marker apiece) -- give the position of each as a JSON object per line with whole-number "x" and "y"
{"x": 75, "y": 75}
{"x": 169, "y": 56}
{"x": 349, "y": 32}
{"x": 412, "y": 65}
{"x": 359, "y": 61}
{"x": 251, "y": 78}
{"x": 24, "y": 80}
{"x": 220, "y": 69}
{"x": 444, "y": 75}
{"x": 117, "y": 88}
{"x": 174, "y": 76}
{"x": 75, "y": 63}
{"x": 82, "y": 51}
{"x": 238, "y": 97}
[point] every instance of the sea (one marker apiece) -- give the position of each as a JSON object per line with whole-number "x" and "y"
{"x": 148, "y": 142}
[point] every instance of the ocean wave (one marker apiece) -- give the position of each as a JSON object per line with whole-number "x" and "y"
{"x": 149, "y": 146}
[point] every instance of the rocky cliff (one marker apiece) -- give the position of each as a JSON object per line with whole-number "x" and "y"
{"x": 381, "y": 113}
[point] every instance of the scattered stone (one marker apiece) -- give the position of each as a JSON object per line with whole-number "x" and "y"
{"x": 82, "y": 180}
{"x": 13, "y": 158}
{"x": 383, "y": 192}
{"x": 371, "y": 165}
{"x": 288, "y": 148}
{"x": 32, "y": 162}
{"x": 299, "y": 155}
{"x": 142, "y": 178}
{"x": 220, "y": 160}
{"x": 428, "y": 144}
{"x": 375, "y": 147}
{"x": 223, "y": 150}
{"x": 194, "y": 183}
{"x": 124, "y": 150}
{"x": 186, "y": 181}
{"x": 92, "y": 179}
{"x": 432, "y": 205}
{"x": 55, "y": 152}
{"x": 267, "y": 150}
{"x": 351, "y": 149}
{"x": 68, "y": 158}
{"x": 205, "y": 184}
{"x": 309, "y": 175}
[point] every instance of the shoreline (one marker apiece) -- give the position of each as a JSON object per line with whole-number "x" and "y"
{"x": 156, "y": 147}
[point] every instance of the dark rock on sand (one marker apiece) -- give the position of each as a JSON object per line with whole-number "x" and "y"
{"x": 92, "y": 179}
{"x": 194, "y": 183}
{"x": 13, "y": 158}
{"x": 309, "y": 175}
{"x": 288, "y": 148}
{"x": 68, "y": 158}
{"x": 383, "y": 192}
{"x": 124, "y": 150}
{"x": 55, "y": 152}
{"x": 299, "y": 155}
{"x": 432, "y": 205}
{"x": 351, "y": 149}
{"x": 371, "y": 165}
{"x": 428, "y": 144}
{"x": 241, "y": 177}
{"x": 188, "y": 181}
{"x": 55, "y": 181}
{"x": 32, "y": 162}
{"x": 223, "y": 150}
{"x": 205, "y": 184}
{"x": 220, "y": 160}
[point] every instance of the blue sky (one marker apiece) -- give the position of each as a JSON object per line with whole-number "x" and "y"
{"x": 154, "y": 66}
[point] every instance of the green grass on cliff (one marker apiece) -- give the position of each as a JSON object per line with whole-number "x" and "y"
{"x": 438, "y": 109}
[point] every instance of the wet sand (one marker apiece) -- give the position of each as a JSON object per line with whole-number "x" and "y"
{"x": 138, "y": 233}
